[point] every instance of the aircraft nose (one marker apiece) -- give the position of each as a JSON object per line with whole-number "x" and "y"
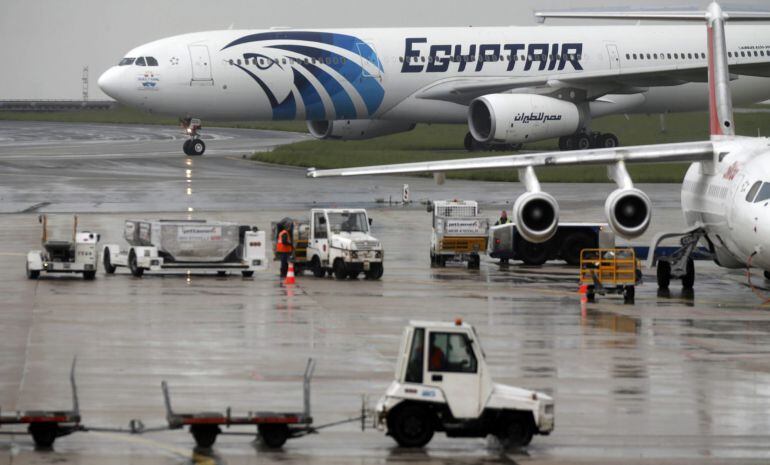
{"x": 109, "y": 82}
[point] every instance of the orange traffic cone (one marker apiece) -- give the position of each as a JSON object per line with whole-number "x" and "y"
{"x": 583, "y": 294}
{"x": 290, "y": 274}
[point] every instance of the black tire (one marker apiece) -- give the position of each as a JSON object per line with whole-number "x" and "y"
{"x": 109, "y": 268}
{"x": 318, "y": 270}
{"x": 767, "y": 274}
{"x": 89, "y": 275}
{"x": 566, "y": 143}
{"x": 573, "y": 245}
{"x": 44, "y": 434}
{"x": 664, "y": 274}
{"x": 353, "y": 274}
{"x": 629, "y": 293}
{"x": 32, "y": 274}
{"x": 205, "y": 435}
{"x": 197, "y": 147}
{"x": 474, "y": 263}
{"x": 608, "y": 141}
{"x": 533, "y": 254}
{"x": 411, "y": 426}
{"x": 186, "y": 147}
{"x": 274, "y": 436}
{"x": 340, "y": 270}
{"x": 247, "y": 274}
{"x": 688, "y": 280}
{"x": 133, "y": 266}
{"x": 591, "y": 294}
{"x": 468, "y": 142}
{"x": 516, "y": 433}
{"x": 375, "y": 271}
{"x": 221, "y": 273}
{"x": 582, "y": 142}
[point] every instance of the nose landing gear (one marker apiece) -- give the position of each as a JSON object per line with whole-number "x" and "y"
{"x": 193, "y": 146}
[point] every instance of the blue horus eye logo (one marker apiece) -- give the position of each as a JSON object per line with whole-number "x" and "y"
{"x": 346, "y": 67}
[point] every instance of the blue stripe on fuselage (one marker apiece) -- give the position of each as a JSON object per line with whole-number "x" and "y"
{"x": 343, "y": 105}
{"x": 314, "y": 107}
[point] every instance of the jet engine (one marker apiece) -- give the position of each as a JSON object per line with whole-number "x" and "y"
{"x": 629, "y": 212}
{"x": 520, "y": 118}
{"x": 536, "y": 215}
{"x": 356, "y": 129}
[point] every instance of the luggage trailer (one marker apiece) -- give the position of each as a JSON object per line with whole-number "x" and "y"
{"x": 46, "y": 425}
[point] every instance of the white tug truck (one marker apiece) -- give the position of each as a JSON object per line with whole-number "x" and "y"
{"x": 340, "y": 244}
{"x": 156, "y": 245}
{"x": 78, "y": 255}
{"x": 443, "y": 384}
{"x": 459, "y": 233}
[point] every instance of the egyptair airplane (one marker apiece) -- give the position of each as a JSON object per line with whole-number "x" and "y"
{"x": 725, "y": 193}
{"x": 510, "y": 85}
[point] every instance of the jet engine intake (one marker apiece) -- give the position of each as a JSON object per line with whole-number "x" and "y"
{"x": 536, "y": 215}
{"x": 628, "y": 212}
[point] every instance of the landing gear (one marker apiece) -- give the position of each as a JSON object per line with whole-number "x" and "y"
{"x": 680, "y": 264}
{"x": 192, "y": 146}
{"x": 472, "y": 145}
{"x": 588, "y": 140}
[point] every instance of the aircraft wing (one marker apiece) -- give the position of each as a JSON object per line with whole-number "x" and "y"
{"x": 628, "y": 80}
{"x": 663, "y": 153}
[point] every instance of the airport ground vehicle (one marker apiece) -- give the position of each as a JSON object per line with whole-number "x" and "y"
{"x": 339, "y": 243}
{"x": 156, "y": 245}
{"x": 507, "y": 243}
{"x": 78, "y": 255}
{"x": 46, "y": 425}
{"x": 458, "y": 232}
{"x": 443, "y": 384}
{"x": 610, "y": 271}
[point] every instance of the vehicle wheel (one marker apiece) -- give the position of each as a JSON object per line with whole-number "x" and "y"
{"x": 582, "y": 142}
{"x": 767, "y": 274}
{"x": 221, "y": 274}
{"x": 573, "y": 245}
{"x": 608, "y": 141}
{"x": 247, "y": 274}
{"x": 664, "y": 274}
{"x": 688, "y": 280}
{"x": 273, "y": 436}
{"x": 318, "y": 270}
{"x": 205, "y": 435}
{"x": 474, "y": 263}
{"x": 89, "y": 275}
{"x": 628, "y": 294}
{"x": 533, "y": 254}
{"x": 32, "y": 274}
{"x": 567, "y": 143}
{"x": 440, "y": 261}
{"x": 411, "y": 426}
{"x": 517, "y": 433}
{"x": 432, "y": 260}
{"x": 340, "y": 270}
{"x": 186, "y": 147}
{"x": 591, "y": 294}
{"x": 109, "y": 268}
{"x": 44, "y": 434}
{"x": 468, "y": 142}
{"x": 197, "y": 147}
{"x": 133, "y": 266}
{"x": 375, "y": 271}
{"x": 353, "y": 274}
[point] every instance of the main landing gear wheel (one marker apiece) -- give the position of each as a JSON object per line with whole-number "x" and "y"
{"x": 688, "y": 280}
{"x": 584, "y": 141}
{"x": 194, "y": 147}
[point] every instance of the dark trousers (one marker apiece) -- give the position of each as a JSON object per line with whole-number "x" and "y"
{"x": 284, "y": 263}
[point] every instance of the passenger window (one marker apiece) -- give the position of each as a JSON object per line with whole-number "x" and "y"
{"x": 416, "y": 356}
{"x": 320, "y": 226}
{"x": 151, "y": 61}
{"x": 764, "y": 193}
{"x": 452, "y": 353}
{"x": 126, "y": 61}
{"x": 140, "y": 62}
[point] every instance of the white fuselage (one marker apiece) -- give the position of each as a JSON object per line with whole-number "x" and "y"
{"x": 378, "y": 73}
{"x": 714, "y": 195}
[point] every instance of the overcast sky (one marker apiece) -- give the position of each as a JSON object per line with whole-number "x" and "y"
{"x": 44, "y": 44}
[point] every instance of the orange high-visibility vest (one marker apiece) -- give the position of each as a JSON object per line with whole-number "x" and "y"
{"x": 280, "y": 247}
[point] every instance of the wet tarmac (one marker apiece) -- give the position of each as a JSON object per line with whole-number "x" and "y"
{"x": 672, "y": 379}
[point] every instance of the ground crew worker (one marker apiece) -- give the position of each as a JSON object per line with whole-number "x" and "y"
{"x": 503, "y": 219}
{"x": 284, "y": 249}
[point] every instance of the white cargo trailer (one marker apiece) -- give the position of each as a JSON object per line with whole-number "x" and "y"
{"x": 156, "y": 245}
{"x": 78, "y": 255}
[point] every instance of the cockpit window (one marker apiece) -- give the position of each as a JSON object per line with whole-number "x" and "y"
{"x": 764, "y": 193}
{"x": 151, "y": 61}
{"x": 140, "y": 62}
{"x": 753, "y": 191}
{"x": 126, "y": 61}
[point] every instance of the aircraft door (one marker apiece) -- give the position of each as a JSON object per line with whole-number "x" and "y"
{"x": 370, "y": 62}
{"x": 614, "y": 56}
{"x": 201, "y": 65}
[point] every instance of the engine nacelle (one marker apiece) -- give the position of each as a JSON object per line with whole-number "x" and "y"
{"x": 536, "y": 215}
{"x": 520, "y": 118}
{"x": 356, "y": 129}
{"x": 628, "y": 212}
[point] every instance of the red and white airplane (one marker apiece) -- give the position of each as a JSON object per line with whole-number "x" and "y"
{"x": 725, "y": 193}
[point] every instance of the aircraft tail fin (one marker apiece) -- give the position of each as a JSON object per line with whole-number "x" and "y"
{"x": 720, "y": 99}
